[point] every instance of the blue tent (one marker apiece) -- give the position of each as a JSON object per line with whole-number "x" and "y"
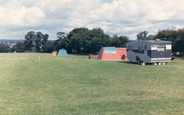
{"x": 62, "y": 52}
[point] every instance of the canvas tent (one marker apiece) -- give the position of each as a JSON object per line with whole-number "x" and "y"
{"x": 92, "y": 56}
{"x": 122, "y": 51}
{"x": 109, "y": 53}
{"x": 54, "y": 53}
{"x": 62, "y": 52}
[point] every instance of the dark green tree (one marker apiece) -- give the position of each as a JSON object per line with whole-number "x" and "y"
{"x": 178, "y": 46}
{"x": 142, "y": 36}
{"x": 29, "y": 40}
{"x": 40, "y": 40}
{"x": 178, "y": 43}
{"x": 167, "y": 35}
{"x": 61, "y": 42}
{"x": 61, "y": 35}
{"x": 4, "y": 48}
{"x": 82, "y": 40}
{"x": 150, "y": 37}
{"x": 48, "y": 47}
{"x": 19, "y": 47}
{"x": 35, "y": 41}
{"x": 119, "y": 41}
{"x": 99, "y": 40}
{"x": 175, "y": 36}
{"x": 77, "y": 40}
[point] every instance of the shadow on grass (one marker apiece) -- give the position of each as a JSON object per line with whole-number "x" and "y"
{"x": 133, "y": 63}
{"x": 128, "y": 62}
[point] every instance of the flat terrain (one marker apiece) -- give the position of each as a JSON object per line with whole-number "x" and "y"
{"x": 77, "y": 85}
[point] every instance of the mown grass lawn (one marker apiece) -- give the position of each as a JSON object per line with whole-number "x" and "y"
{"x": 77, "y": 85}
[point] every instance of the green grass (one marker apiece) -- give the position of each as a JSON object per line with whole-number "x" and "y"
{"x": 77, "y": 85}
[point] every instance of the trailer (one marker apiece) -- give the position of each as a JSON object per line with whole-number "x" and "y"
{"x": 157, "y": 52}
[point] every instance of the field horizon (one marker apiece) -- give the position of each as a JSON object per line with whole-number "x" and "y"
{"x": 77, "y": 85}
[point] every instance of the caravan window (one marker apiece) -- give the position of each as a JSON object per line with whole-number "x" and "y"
{"x": 161, "y": 48}
{"x": 153, "y": 47}
{"x": 158, "y": 47}
{"x": 140, "y": 48}
{"x": 168, "y": 47}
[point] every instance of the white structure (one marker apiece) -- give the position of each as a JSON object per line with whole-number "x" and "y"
{"x": 149, "y": 51}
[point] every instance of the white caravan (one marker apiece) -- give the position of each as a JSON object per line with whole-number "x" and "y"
{"x": 149, "y": 51}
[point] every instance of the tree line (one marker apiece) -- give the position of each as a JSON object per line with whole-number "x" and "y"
{"x": 85, "y": 41}
{"x": 175, "y": 36}
{"x": 77, "y": 41}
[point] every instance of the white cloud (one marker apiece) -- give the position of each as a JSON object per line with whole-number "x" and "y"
{"x": 122, "y": 17}
{"x": 15, "y": 14}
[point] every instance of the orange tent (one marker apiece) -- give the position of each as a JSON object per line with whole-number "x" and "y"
{"x": 54, "y": 53}
{"x": 109, "y": 53}
{"x": 122, "y": 51}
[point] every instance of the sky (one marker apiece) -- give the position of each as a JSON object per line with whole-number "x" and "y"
{"x": 115, "y": 17}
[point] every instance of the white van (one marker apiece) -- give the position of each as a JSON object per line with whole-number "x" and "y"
{"x": 149, "y": 51}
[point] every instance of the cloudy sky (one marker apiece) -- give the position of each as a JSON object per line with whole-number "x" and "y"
{"x": 121, "y": 17}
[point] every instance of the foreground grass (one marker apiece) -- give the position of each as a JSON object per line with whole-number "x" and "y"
{"x": 76, "y": 85}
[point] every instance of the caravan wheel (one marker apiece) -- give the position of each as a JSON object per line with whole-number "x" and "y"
{"x": 138, "y": 61}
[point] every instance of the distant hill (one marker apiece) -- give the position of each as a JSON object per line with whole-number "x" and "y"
{"x": 13, "y": 42}
{"x": 10, "y": 42}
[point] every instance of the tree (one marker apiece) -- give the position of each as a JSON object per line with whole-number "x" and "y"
{"x": 4, "y": 48}
{"x": 119, "y": 41}
{"x": 29, "y": 42}
{"x": 175, "y": 36}
{"x": 167, "y": 35}
{"x": 61, "y": 42}
{"x": 178, "y": 46}
{"x": 40, "y": 40}
{"x": 99, "y": 40}
{"x": 48, "y": 47}
{"x": 142, "y": 35}
{"x": 178, "y": 42}
{"x": 19, "y": 47}
{"x": 77, "y": 40}
{"x": 61, "y": 35}
{"x": 150, "y": 37}
{"x": 35, "y": 41}
{"x": 82, "y": 40}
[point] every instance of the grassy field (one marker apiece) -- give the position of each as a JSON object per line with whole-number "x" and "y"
{"x": 77, "y": 85}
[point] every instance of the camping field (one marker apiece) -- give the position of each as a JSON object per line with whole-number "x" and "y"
{"x": 75, "y": 85}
